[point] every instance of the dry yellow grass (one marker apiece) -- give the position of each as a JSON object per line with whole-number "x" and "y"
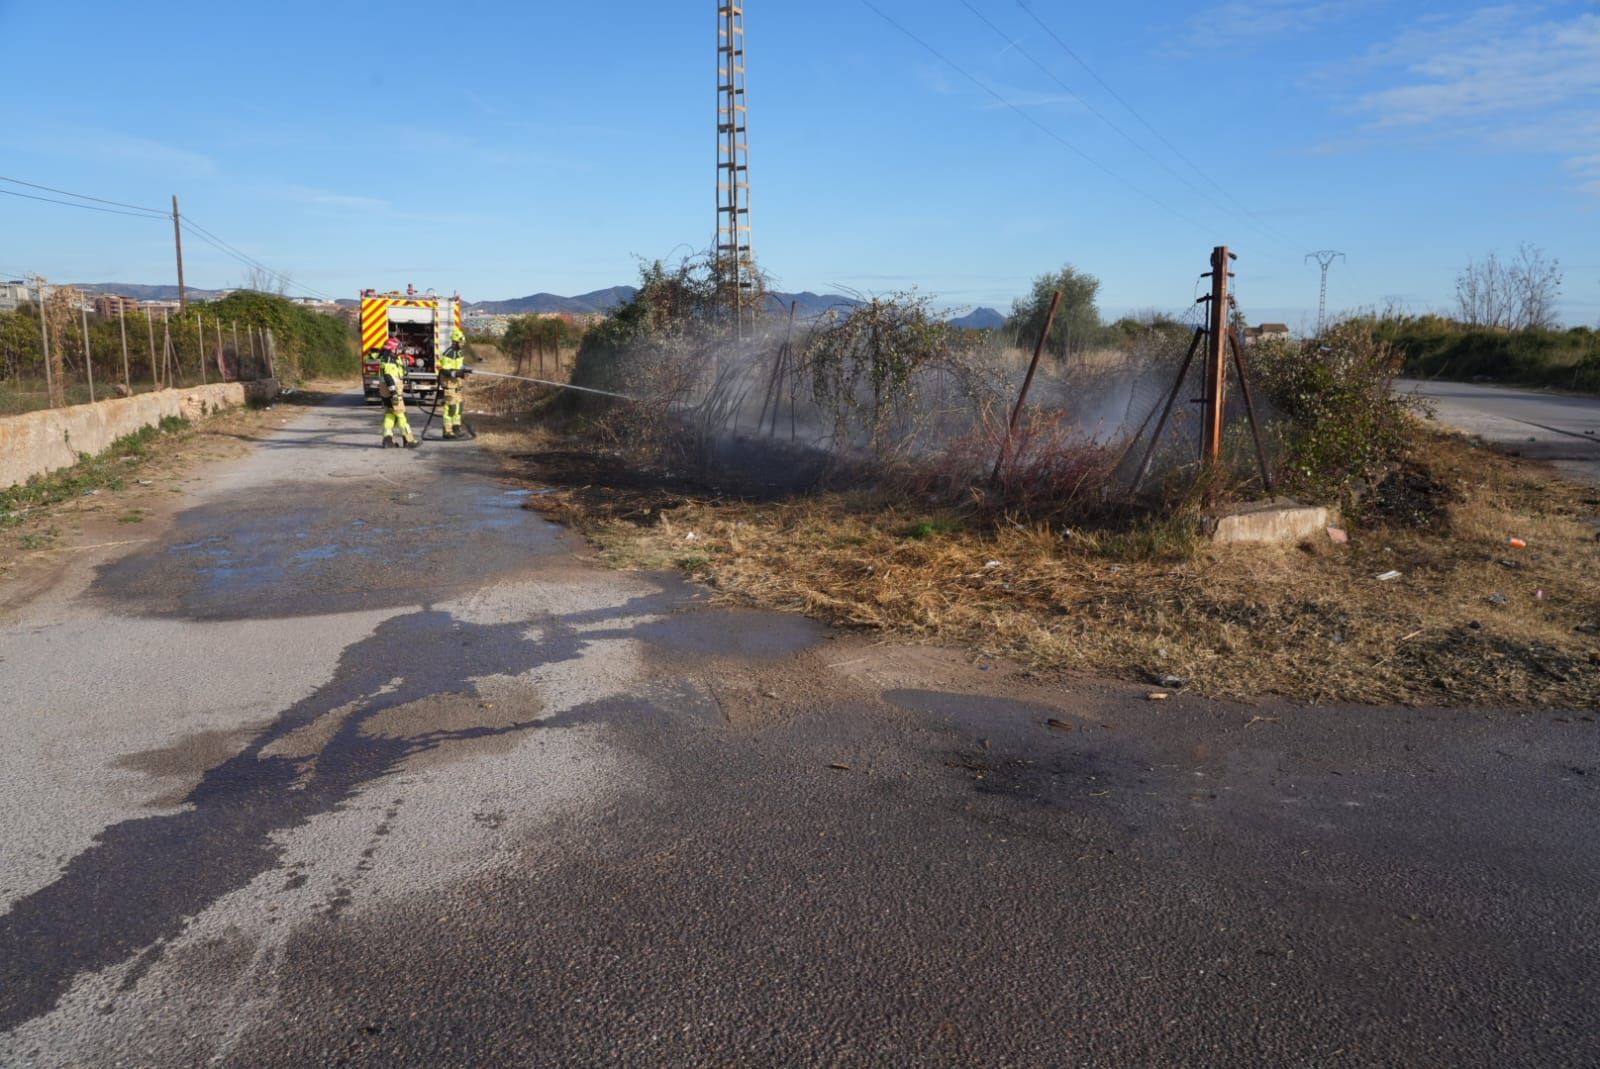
{"x": 1470, "y": 622}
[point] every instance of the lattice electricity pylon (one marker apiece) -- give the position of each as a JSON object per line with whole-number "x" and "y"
{"x": 735, "y": 257}
{"x": 1324, "y": 258}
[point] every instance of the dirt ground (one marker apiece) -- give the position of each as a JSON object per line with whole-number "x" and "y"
{"x": 109, "y": 507}
{"x": 1472, "y": 619}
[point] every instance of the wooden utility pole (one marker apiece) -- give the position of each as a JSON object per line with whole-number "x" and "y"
{"x": 122, "y": 322}
{"x": 1216, "y": 358}
{"x": 88, "y": 358}
{"x": 177, "y": 238}
{"x": 44, "y": 334}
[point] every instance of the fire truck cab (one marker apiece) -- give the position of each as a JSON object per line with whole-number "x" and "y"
{"x": 421, "y": 322}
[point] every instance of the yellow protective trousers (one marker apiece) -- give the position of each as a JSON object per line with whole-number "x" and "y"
{"x": 395, "y": 417}
{"x": 451, "y": 405}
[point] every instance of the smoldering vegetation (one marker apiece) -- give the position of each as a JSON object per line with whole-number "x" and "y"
{"x": 887, "y": 394}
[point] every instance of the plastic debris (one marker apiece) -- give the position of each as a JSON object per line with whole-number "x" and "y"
{"x": 1388, "y": 577}
{"x": 992, "y": 565}
{"x": 1516, "y": 543}
{"x": 1538, "y": 595}
{"x": 1158, "y": 696}
{"x": 1338, "y": 535}
{"x": 1497, "y": 599}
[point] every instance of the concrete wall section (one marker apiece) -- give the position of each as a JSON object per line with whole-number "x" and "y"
{"x": 39, "y": 442}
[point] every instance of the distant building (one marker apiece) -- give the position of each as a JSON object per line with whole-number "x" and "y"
{"x": 483, "y": 323}
{"x": 157, "y": 308}
{"x": 114, "y": 304}
{"x": 1266, "y": 332}
{"x": 14, "y": 294}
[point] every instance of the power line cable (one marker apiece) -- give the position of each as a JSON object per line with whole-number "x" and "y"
{"x": 85, "y": 196}
{"x": 1159, "y": 136}
{"x": 1047, "y": 131}
{"x": 286, "y": 281}
{"x": 211, "y": 239}
{"x": 1103, "y": 117}
{"x": 73, "y": 204}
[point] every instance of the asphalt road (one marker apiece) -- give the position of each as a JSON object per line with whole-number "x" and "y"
{"x": 1563, "y": 429}
{"x": 357, "y": 762}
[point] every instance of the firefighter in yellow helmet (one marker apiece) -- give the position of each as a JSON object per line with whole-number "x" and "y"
{"x": 452, "y": 372}
{"x": 392, "y": 389}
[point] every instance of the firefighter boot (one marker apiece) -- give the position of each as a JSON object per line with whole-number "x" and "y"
{"x": 387, "y": 441}
{"x": 411, "y": 441}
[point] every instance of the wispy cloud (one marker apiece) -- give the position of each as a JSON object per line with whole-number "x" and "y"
{"x": 1495, "y": 61}
{"x": 322, "y": 198}
{"x": 1245, "y": 21}
{"x": 1587, "y": 171}
{"x": 1502, "y": 78}
{"x": 142, "y": 154}
{"x": 312, "y": 197}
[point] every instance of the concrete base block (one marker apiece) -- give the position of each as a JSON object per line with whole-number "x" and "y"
{"x": 1270, "y": 521}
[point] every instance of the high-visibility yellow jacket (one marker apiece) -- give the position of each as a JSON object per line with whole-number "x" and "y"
{"x": 392, "y": 374}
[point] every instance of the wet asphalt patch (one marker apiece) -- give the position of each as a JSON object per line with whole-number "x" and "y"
{"x": 141, "y": 880}
{"x": 313, "y": 549}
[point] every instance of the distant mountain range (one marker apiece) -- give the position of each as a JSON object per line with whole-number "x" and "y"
{"x": 808, "y": 305}
{"x": 147, "y": 293}
{"x": 980, "y": 319}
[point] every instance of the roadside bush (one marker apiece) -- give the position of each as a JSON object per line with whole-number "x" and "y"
{"x": 1339, "y": 423}
{"x": 1436, "y": 347}
{"x": 888, "y": 371}
{"x": 309, "y": 345}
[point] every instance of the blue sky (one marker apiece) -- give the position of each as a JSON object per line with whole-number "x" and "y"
{"x": 508, "y": 149}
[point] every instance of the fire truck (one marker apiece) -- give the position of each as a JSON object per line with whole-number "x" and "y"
{"x": 422, "y": 323}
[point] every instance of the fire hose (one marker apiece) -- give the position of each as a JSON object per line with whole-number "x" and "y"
{"x": 439, "y": 394}
{"x": 557, "y": 385}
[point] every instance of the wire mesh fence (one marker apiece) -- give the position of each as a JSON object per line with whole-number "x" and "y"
{"x": 60, "y": 346}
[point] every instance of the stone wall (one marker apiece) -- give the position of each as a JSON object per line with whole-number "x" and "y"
{"x": 38, "y": 442}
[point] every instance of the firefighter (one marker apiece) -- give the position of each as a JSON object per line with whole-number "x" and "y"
{"x": 392, "y": 389}
{"x": 452, "y": 371}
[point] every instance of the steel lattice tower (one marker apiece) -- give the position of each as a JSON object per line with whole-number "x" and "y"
{"x": 1324, "y": 259}
{"x": 735, "y": 257}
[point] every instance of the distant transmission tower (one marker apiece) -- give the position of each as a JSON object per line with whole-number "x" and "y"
{"x": 1324, "y": 258}
{"x": 735, "y": 258}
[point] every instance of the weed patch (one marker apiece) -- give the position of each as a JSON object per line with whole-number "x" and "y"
{"x": 107, "y": 471}
{"x": 1146, "y": 597}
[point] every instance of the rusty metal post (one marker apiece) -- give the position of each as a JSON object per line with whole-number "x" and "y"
{"x": 1216, "y": 358}
{"x": 1027, "y": 384}
{"x": 1166, "y": 411}
{"x": 1250, "y": 408}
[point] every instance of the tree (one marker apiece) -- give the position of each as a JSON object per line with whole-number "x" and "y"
{"x": 1077, "y": 322}
{"x": 1515, "y": 295}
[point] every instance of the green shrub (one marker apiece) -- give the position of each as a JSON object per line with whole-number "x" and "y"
{"x": 1339, "y": 422}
